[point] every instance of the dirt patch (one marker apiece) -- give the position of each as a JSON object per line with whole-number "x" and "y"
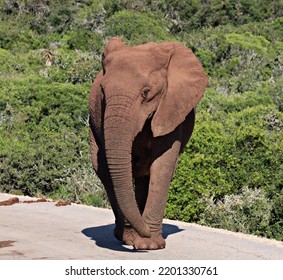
{"x": 62, "y": 203}
{"x": 15, "y": 200}
{"x": 35, "y": 201}
{"x": 9, "y": 201}
{"x": 6, "y": 243}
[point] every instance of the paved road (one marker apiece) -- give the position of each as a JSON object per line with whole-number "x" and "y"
{"x": 43, "y": 231}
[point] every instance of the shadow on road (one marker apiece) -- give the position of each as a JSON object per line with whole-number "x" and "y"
{"x": 104, "y": 237}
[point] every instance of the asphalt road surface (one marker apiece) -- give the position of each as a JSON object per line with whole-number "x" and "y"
{"x": 42, "y": 230}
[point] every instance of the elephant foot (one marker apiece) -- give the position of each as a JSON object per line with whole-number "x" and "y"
{"x": 130, "y": 237}
{"x": 126, "y": 235}
{"x": 155, "y": 242}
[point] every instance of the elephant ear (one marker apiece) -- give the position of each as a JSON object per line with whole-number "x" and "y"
{"x": 95, "y": 104}
{"x": 186, "y": 82}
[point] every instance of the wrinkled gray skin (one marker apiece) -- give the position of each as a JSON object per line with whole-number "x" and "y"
{"x": 141, "y": 117}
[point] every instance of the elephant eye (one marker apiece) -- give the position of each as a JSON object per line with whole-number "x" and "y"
{"x": 145, "y": 92}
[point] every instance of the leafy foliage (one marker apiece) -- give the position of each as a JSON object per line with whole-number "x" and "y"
{"x": 247, "y": 212}
{"x": 231, "y": 172}
{"x": 136, "y": 27}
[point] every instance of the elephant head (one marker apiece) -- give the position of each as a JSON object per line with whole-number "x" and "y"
{"x": 160, "y": 83}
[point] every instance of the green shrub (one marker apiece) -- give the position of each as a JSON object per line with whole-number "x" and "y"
{"x": 186, "y": 15}
{"x": 16, "y": 36}
{"x": 248, "y": 212}
{"x": 73, "y": 67}
{"x": 43, "y": 131}
{"x": 136, "y": 27}
{"x": 8, "y": 63}
{"x": 84, "y": 40}
{"x": 248, "y": 41}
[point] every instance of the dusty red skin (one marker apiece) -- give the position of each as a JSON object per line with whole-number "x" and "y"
{"x": 141, "y": 116}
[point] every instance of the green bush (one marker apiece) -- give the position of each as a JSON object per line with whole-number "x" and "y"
{"x": 84, "y": 40}
{"x": 76, "y": 67}
{"x": 37, "y": 127}
{"x": 186, "y": 15}
{"x": 18, "y": 37}
{"x": 247, "y": 212}
{"x": 8, "y": 62}
{"x": 248, "y": 41}
{"x": 136, "y": 27}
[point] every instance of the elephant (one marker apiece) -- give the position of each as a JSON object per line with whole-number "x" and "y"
{"x": 141, "y": 115}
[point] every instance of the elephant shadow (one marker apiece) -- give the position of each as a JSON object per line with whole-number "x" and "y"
{"x": 104, "y": 237}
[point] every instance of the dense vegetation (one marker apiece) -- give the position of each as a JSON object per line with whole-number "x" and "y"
{"x": 231, "y": 173}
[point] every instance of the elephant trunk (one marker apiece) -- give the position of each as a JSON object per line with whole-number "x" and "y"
{"x": 118, "y": 146}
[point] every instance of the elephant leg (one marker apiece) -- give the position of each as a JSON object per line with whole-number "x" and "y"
{"x": 161, "y": 173}
{"x": 141, "y": 191}
{"x": 188, "y": 127}
{"x": 99, "y": 164}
